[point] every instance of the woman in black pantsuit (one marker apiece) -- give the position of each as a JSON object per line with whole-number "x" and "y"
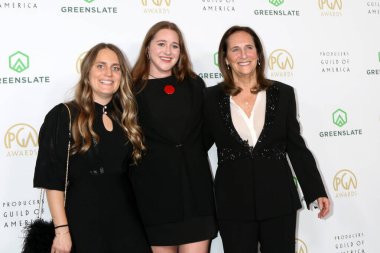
{"x": 173, "y": 182}
{"x": 100, "y": 215}
{"x": 253, "y": 122}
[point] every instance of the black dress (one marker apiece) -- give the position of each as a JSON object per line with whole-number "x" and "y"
{"x": 173, "y": 182}
{"x": 100, "y": 206}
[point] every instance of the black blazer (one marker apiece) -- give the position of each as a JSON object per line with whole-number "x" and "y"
{"x": 157, "y": 180}
{"x": 257, "y": 182}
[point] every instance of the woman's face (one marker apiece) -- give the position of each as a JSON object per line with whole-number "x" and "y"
{"x": 164, "y": 51}
{"x": 105, "y": 76}
{"x": 241, "y": 54}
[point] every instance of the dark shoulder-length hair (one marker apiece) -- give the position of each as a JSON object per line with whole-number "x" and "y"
{"x": 229, "y": 84}
{"x": 123, "y": 100}
{"x": 182, "y": 69}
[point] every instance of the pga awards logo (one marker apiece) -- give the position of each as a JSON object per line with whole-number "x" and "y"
{"x": 79, "y": 61}
{"x": 156, "y": 6}
{"x": 345, "y": 184}
{"x": 280, "y": 63}
{"x": 21, "y": 140}
{"x": 301, "y": 246}
{"x": 331, "y": 8}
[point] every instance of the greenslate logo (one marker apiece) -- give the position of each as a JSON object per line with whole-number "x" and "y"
{"x": 18, "y": 61}
{"x": 276, "y": 2}
{"x": 216, "y": 60}
{"x": 89, "y": 1}
{"x": 378, "y": 55}
{"x": 339, "y": 117}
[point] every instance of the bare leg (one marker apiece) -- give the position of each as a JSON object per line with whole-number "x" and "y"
{"x": 164, "y": 249}
{"x": 195, "y": 247}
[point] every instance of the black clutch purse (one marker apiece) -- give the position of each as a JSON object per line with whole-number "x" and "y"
{"x": 39, "y": 234}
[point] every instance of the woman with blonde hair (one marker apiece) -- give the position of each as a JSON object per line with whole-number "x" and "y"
{"x": 99, "y": 214}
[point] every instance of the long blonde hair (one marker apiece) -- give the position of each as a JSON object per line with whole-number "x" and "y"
{"x": 125, "y": 112}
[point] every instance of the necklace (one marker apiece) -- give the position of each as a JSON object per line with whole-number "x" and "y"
{"x": 246, "y": 101}
{"x": 168, "y": 88}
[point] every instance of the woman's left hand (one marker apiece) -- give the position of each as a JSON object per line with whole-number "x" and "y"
{"x": 324, "y": 207}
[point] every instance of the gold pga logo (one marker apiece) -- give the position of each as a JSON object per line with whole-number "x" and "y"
{"x": 346, "y": 180}
{"x": 345, "y": 184}
{"x": 281, "y": 59}
{"x": 330, "y": 4}
{"x": 156, "y": 6}
{"x": 21, "y": 140}
{"x": 21, "y": 135}
{"x": 301, "y": 246}
{"x": 79, "y": 61}
{"x": 156, "y": 2}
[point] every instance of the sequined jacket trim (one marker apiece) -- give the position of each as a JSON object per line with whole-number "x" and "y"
{"x": 271, "y": 152}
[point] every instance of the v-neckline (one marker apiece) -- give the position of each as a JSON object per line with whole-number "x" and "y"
{"x": 270, "y": 111}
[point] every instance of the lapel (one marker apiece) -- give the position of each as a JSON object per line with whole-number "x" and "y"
{"x": 271, "y": 107}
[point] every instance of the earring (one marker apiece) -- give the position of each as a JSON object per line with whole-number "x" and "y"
{"x": 258, "y": 62}
{"x": 147, "y": 55}
{"x": 228, "y": 66}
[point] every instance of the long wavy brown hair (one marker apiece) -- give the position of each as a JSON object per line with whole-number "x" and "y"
{"x": 182, "y": 69}
{"x": 229, "y": 84}
{"x": 123, "y": 100}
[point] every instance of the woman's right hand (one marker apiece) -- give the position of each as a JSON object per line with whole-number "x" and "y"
{"x": 62, "y": 242}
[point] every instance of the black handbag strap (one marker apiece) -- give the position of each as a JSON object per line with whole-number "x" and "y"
{"x": 42, "y": 192}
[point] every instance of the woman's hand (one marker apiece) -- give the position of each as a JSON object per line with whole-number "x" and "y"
{"x": 324, "y": 207}
{"x": 62, "y": 241}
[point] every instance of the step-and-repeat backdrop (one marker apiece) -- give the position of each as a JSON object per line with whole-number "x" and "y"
{"x": 329, "y": 50}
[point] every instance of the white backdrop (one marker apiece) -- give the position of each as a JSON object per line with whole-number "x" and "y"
{"x": 329, "y": 50}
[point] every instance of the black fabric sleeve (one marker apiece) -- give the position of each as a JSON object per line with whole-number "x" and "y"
{"x": 50, "y": 170}
{"x": 208, "y": 139}
{"x": 301, "y": 158}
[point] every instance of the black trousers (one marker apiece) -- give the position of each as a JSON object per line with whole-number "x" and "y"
{"x": 274, "y": 235}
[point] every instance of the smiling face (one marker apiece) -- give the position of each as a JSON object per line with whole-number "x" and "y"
{"x": 164, "y": 51}
{"x": 241, "y": 54}
{"x": 105, "y": 76}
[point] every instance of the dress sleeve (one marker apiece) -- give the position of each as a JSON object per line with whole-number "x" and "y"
{"x": 207, "y": 133}
{"x": 301, "y": 158}
{"x": 50, "y": 170}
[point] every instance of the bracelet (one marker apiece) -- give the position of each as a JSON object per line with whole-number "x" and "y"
{"x": 66, "y": 232}
{"x": 61, "y": 226}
